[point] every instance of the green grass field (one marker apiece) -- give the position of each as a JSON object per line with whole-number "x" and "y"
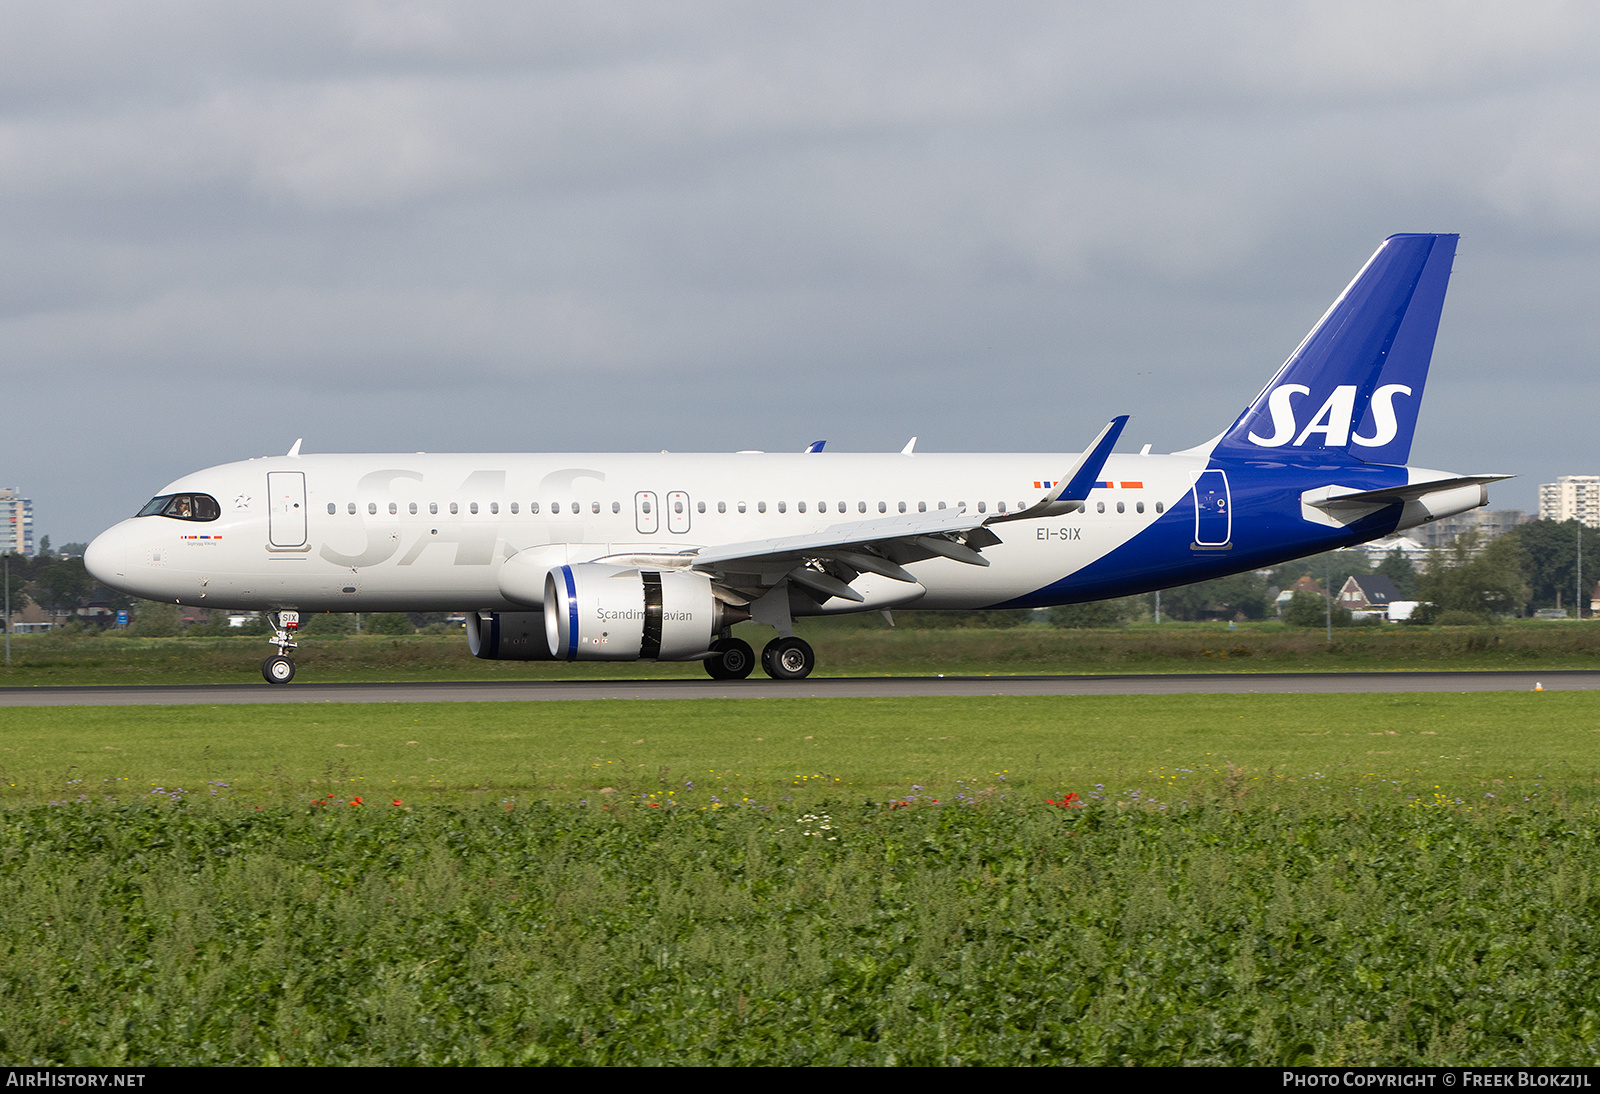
{"x": 1252, "y": 879}
{"x": 1467, "y": 745}
{"x": 845, "y": 647}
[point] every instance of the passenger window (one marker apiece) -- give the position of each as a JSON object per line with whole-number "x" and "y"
{"x": 413, "y": 508}
{"x": 616, "y": 507}
{"x": 393, "y": 509}
{"x": 922, "y": 507}
{"x": 941, "y": 505}
{"x": 433, "y": 507}
{"x": 352, "y": 508}
{"x": 513, "y": 508}
{"x": 1138, "y": 506}
{"x": 980, "y": 507}
{"x": 594, "y": 507}
{"x": 883, "y": 507}
{"x": 783, "y": 507}
{"x": 741, "y": 507}
{"x": 1121, "y": 507}
{"x": 454, "y": 509}
{"x": 647, "y": 507}
{"x": 801, "y": 506}
{"x": 1099, "y": 507}
{"x": 843, "y": 508}
{"x": 332, "y": 508}
{"x": 1160, "y": 508}
{"x": 533, "y": 507}
{"x": 722, "y": 507}
{"x": 1002, "y": 507}
{"x": 861, "y": 506}
{"x": 372, "y": 508}
{"x": 761, "y": 507}
{"x": 700, "y": 507}
{"x": 494, "y": 507}
{"x": 902, "y": 507}
{"x": 677, "y": 507}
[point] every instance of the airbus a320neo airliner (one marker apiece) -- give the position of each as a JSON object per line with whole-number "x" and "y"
{"x": 655, "y": 557}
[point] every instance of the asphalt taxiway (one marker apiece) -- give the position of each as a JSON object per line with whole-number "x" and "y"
{"x": 831, "y": 687}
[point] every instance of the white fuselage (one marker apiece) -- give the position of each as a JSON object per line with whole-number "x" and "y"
{"x": 431, "y": 532}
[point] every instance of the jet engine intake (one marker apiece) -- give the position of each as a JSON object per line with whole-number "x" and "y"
{"x": 595, "y": 612}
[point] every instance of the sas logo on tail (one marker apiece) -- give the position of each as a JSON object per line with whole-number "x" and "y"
{"x": 1335, "y": 421}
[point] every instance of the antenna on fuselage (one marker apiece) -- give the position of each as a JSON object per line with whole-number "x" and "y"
{"x": 906, "y": 451}
{"x": 294, "y": 449}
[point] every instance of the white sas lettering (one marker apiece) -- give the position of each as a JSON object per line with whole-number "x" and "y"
{"x": 1282, "y": 415}
{"x": 1333, "y": 420}
{"x": 1383, "y": 419}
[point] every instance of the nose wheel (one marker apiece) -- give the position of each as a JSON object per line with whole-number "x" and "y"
{"x": 788, "y": 659}
{"x": 277, "y": 670}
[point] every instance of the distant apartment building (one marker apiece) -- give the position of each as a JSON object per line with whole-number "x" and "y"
{"x": 16, "y": 523}
{"x": 1487, "y": 523}
{"x": 1571, "y": 497}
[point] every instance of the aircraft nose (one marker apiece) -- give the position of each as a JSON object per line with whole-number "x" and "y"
{"x": 106, "y": 558}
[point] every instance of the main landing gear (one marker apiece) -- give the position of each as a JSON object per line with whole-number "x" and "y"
{"x": 279, "y": 669}
{"x": 730, "y": 659}
{"x": 788, "y": 659}
{"x": 781, "y": 659}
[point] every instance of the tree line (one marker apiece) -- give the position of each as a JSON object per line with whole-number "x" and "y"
{"x": 1533, "y": 566}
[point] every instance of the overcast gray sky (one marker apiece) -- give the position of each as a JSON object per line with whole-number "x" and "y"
{"x": 713, "y": 226}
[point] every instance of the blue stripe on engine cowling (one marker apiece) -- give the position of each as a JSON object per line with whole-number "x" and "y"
{"x": 572, "y": 613}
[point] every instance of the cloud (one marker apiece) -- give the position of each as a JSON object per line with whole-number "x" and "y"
{"x": 713, "y": 225}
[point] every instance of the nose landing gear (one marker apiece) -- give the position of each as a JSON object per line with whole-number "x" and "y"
{"x": 279, "y": 669}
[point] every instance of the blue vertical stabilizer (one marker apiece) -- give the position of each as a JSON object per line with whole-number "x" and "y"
{"x": 1354, "y": 386}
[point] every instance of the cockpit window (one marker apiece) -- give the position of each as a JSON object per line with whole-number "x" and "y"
{"x": 183, "y": 507}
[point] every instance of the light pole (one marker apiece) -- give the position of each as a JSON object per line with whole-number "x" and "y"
{"x": 8, "y": 608}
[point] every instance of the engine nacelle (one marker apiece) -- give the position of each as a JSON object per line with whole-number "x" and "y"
{"x": 596, "y": 612}
{"x": 508, "y": 636}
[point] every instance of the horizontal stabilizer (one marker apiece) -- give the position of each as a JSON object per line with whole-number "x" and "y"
{"x": 1396, "y": 495}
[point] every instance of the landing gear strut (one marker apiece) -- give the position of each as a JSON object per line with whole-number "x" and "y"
{"x": 788, "y": 659}
{"x": 279, "y": 669}
{"x": 731, "y": 659}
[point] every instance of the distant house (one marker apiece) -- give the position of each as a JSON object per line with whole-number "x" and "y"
{"x": 1368, "y": 595}
{"x": 1306, "y": 584}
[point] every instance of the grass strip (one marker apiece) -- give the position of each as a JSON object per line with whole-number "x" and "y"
{"x": 1150, "y": 747}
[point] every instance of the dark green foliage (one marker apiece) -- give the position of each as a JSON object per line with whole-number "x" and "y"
{"x": 1310, "y": 610}
{"x": 1009, "y": 617}
{"x": 1548, "y": 552}
{"x": 152, "y": 619}
{"x": 1413, "y": 933}
{"x": 1097, "y": 613}
{"x": 1240, "y": 596}
{"x": 61, "y": 584}
{"x": 1474, "y": 583}
{"x": 388, "y": 623}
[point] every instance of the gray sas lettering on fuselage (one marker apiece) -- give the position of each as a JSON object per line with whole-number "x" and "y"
{"x": 475, "y": 542}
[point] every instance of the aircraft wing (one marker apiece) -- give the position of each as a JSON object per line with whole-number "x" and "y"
{"x": 829, "y": 560}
